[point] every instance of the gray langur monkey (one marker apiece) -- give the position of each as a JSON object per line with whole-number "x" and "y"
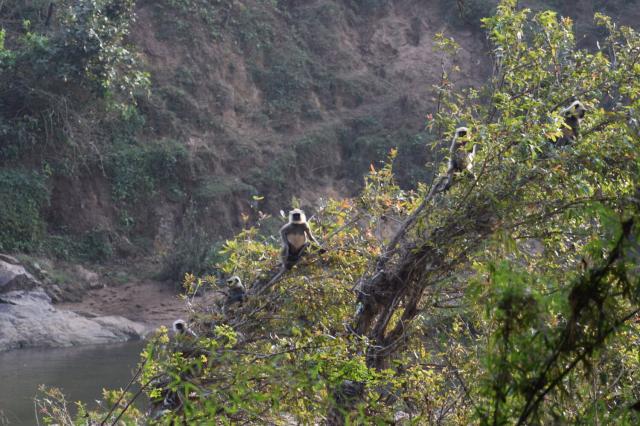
{"x": 181, "y": 328}
{"x": 573, "y": 116}
{"x": 498, "y": 55}
{"x": 295, "y": 235}
{"x": 237, "y": 292}
{"x": 460, "y": 159}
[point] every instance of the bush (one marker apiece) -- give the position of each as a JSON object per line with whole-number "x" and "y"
{"x": 471, "y": 14}
{"x": 93, "y": 246}
{"x": 137, "y": 171}
{"x": 23, "y": 195}
{"x": 284, "y": 79}
{"x": 193, "y": 253}
{"x": 219, "y": 187}
{"x": 96, "y": 246}
{"x": 56, "y": 72}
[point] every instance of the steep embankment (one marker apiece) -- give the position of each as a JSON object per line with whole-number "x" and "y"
{"x": 252, "y": 99}
{"x": 250, "y": 104}
{"x": 277, "y": 99}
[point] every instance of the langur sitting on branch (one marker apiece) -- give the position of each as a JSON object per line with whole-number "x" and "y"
{"x": 459, "y": 158}
{"x": 236, "y": 293}
{"x": 573, "y": 116}
{"x": 295, "y": 235}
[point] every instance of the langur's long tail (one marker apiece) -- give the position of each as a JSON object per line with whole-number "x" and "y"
{"x": 259, "y": 289}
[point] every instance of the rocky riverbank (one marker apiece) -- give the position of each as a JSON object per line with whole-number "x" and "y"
{"x": 37, "y": 312}
{"x": 29, "y": 320}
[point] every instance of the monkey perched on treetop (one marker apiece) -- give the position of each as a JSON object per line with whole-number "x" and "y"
{"x": 295, "y": 238}
{"x": 573, "y": 116}
{"x": 459, "y": 158}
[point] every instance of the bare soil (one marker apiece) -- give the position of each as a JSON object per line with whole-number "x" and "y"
{"x": 149, "y": 302}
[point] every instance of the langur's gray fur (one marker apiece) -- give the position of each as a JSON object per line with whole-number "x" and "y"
{"x": 459, "y": 158}
{"x": 573, "y": 116}
{"x": 237, "y": 292}
{"x": 295, "y": 236}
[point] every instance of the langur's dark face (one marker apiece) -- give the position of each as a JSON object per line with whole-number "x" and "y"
{"x": 462, "y": 133}
{"x": 296, "y": 217}
{"x": 179, "y": 326}
{"x": 581, "y": 112}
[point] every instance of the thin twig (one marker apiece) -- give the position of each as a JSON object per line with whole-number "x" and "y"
{"x": 124, "y": 391}
{"x": 142, "y": 388}
{"x": 35, "y": 404}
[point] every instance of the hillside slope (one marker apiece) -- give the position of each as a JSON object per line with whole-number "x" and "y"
{"x": 250, "y": 103}
{"x": 291, "y": 101}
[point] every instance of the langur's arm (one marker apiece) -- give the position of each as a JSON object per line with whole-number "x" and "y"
{"x": 285, "y": 242}
{"x": 310, "y": 234}
{"x": 452, "y": 156}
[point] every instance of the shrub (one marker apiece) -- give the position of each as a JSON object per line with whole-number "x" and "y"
{"x": 57, "y": 73}
{"x": 93, "y": 246}
{"x": 23, "y": 195}
{"x": 219, "y": 187}
{"x": 284, "y": 79}
{"x": 136, "y": 170}
{"x": 470, "y": 14}
{"x": 193, "y": 253}
{"x": 96, "y": 246}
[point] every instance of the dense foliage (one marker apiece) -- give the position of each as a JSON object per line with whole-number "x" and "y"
{"x": 20, "y": 208}
{"x": 66, "y": 74}
{"x": 510, "y": 298}
{"x": 52, "y": 66}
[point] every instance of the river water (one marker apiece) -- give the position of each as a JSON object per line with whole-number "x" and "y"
{"x": 81, "y": 372}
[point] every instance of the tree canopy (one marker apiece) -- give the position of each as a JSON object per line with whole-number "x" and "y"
{"x": 511, "y": 297}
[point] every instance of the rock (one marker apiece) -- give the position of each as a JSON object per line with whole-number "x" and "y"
{"x": 28, "y": 319}
{"x": 123, "y": 327}
{"x": 55, "y": 292}
{"x": 41, "y": 273}
{"x": 9, "y": 259}
{"x": 89, "y": 278}
{"x": 13, "y": 277}
{"x": 86, "y": 314}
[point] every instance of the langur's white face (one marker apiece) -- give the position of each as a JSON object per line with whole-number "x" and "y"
{"x": 462, "y": 132}
{"x": 297, "y": 216}
{"x": 576, "y": 109}
{"x": 234, "y": 282}
{"x": 179, "y": 325}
